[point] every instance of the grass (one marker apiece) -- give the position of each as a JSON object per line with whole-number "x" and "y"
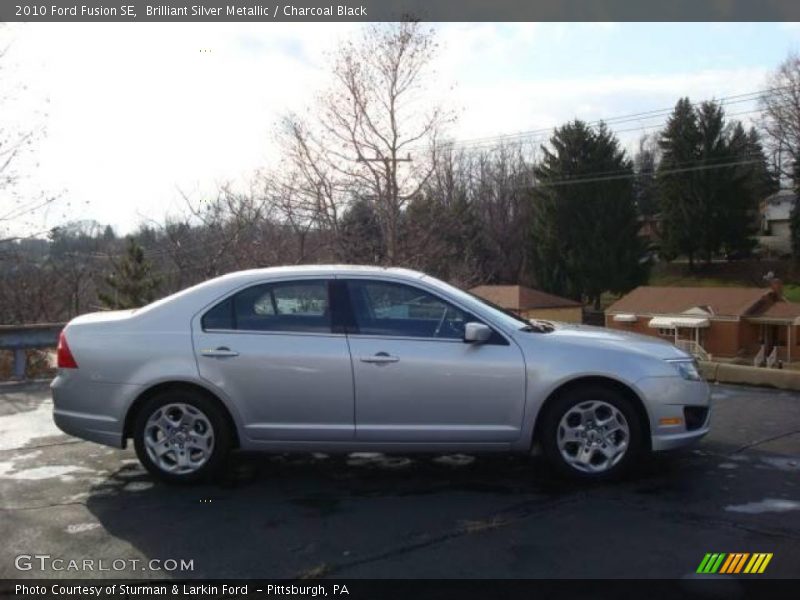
{"x": 694, "y": 281}
{"x": 792, "y": 292}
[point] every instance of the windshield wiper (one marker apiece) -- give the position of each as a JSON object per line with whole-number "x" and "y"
{"x": 538, "y": 327}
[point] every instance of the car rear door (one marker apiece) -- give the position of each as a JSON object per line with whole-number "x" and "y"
{"x": 416, "y": 380}
{"x": 271, "y": 348}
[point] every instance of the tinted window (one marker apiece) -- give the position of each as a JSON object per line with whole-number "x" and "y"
{"x": 300, "y": 306}
{"x": 220, "y": 317}
{"x": 393, "y": 309}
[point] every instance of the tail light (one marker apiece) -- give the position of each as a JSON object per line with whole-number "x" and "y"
{"x": 64, "y": 354}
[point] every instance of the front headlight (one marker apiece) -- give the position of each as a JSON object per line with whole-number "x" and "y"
{"x": 687, "y": 369}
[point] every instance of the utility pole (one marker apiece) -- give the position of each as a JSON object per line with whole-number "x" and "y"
{"x": 391, "y": 211}
{"x": 386, "y": 159}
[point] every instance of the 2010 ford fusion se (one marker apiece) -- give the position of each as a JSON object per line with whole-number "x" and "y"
{"x": 345, "y": 359}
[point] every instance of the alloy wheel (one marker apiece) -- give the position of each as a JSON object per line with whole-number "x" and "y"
{"x": 593, "y": 436}
{"x": 179, "y": 438}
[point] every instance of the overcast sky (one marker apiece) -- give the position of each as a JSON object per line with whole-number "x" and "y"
{"x": 135, "y": 112}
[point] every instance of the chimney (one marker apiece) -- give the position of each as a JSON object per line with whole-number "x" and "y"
{"x": 776, "y": 285}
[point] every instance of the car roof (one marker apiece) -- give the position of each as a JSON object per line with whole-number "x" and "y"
{"x": 306, "y": 270}
{"x": 195, "y": 297}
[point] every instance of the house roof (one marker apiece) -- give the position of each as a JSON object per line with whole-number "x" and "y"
{"x": 721, "y": 301}
{"x": 781, "y": 310}
{"x": 519, "y": 297}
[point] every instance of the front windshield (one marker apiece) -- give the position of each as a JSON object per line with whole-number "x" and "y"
{"x": 505, "y": 316}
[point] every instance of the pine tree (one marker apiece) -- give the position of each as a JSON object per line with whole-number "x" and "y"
{"x": 680, "y": 212}
{"x": 794, "y": 217}
{"x": 710, "y": 180}
{"x": 361, "y": 234}
{"x": 585, "y": 230}
{"x": 131, "y": 281}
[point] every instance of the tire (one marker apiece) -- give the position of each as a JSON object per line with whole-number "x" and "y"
{"x": 181, "y": 436}
{"x": 607, "y": 430}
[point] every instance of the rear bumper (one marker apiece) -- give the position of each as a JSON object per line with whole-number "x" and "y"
{"x": 90, "y": 410}
{"x": 89, "y": 427}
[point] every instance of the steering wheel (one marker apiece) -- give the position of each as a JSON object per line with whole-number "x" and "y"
{"x": 441, "y": 322}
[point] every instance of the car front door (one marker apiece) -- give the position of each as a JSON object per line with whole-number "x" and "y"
{"x": 272, "y": 350}
{"x": 416, "y": 380}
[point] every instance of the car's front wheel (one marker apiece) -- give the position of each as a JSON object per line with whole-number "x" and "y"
{"x": 181, "y": 436}
{"x": 592, "y": 432}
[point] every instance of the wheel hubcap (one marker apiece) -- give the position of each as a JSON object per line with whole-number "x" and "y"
{"x": 593, "y": 436}
{"x": 179, "y": 438}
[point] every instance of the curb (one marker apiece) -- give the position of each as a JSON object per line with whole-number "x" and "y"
{"x": 783, "y": 379}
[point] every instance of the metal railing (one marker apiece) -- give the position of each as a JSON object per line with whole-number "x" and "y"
{"x": 758, "y": 361}
{"x": 772, "y": 359}
{"x": 20, "y": 338}
{"x": 694, "y": 349}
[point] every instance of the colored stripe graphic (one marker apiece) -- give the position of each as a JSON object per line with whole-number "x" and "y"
{"x": 734, "y": 563}
{"x": 703, "y": 563}
{"x": 711, "y": 563}
{"x": 741, "y": 562}
{"x": 729, "y": 563}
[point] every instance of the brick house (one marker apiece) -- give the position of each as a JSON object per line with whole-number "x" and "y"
{"x": 727, "y": 322}
{"x": 531, "y": 304}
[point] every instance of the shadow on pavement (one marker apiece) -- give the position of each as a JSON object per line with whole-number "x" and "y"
{"x": 294, "y": 515}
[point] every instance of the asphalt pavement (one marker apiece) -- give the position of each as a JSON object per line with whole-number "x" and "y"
{"x": 366, "y": 515}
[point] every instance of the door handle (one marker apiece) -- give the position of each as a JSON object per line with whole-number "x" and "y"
{"x": 380, "y": 358}
{"x": 220, "y": 352}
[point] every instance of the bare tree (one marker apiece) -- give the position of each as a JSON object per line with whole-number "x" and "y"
{"x": 374, "y": 133}
{"x": 15, "y": 140}
{"x": 780, "y": 104}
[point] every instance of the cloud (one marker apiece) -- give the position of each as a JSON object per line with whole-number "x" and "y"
{"x": 138, "y": 111}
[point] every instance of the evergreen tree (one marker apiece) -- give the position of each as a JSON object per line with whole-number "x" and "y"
{"x": 131, "y": 281}
{"x": 585, "y": 230}
{"x": 765, "y": 180}
{"x": 361, "y": 234}
{"x": 710, "y": 180}
{"x": 680, "y": 141}
{"x": 794, "y": 217}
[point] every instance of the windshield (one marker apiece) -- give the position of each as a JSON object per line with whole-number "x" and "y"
{"x": 507, "y": 317}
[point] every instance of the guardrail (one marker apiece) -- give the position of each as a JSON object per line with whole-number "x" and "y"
{"x": 20, "y": 338}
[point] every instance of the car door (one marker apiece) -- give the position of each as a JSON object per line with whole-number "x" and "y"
{"x": 272, "y": 350}
{"x": 416, "y": 380}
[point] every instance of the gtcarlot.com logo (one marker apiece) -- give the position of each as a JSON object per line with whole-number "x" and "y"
{"x": 734, "y": 563}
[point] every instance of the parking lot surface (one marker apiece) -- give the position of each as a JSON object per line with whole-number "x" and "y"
{"x": 367, "y": 515}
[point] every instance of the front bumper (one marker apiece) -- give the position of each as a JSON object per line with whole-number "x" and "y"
{"x": 679, "y": 411}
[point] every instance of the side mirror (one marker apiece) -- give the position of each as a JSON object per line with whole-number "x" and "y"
{"x": 476, "y": 333}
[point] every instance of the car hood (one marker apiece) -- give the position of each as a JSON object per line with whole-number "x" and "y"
{"x": 600, "y": 337}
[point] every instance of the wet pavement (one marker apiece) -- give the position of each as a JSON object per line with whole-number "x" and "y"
{"x": 366, "y": 515}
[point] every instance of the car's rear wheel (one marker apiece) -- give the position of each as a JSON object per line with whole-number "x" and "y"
{"x": 592, "y": 432}
{"x": 181, "y": 436}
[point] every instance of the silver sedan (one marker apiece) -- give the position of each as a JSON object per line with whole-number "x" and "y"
{"x": 344, "y": 359}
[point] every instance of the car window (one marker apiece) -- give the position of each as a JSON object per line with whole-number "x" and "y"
{"x": 220, "y": 317}
{"x": 394, "y": 309}
{"x": 298, "y": 306}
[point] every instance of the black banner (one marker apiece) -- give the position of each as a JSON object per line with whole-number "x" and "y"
{"x": 730, "y": 588}
{"x": 385, "y": 10}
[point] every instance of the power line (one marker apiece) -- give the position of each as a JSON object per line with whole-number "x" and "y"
{"x": 646, "y": 115}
